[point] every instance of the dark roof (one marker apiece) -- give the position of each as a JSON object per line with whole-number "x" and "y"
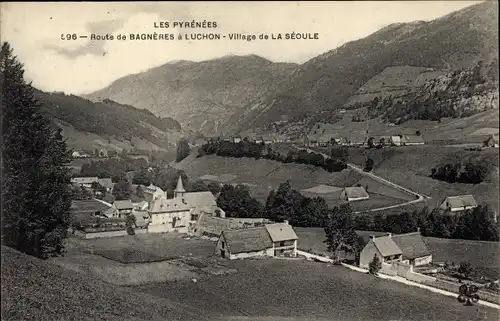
{"x": 123, "y": 205}
{"x": 412, "y": 245}
{"x": 106, "y": 182}
{"x": 386, "y": 246}
{"x": 247, "y": 240}
{"x": 213, "y": 225}
{"x": 459, "y": 201}
{"x": 86, "y": 206}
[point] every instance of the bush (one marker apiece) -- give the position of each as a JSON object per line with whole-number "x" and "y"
{"x": 375, "y": 265}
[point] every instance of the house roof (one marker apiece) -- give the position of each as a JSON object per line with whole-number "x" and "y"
{"x": 123, "y": 205}
{"x": 386, "y": 245}
{"x": 247, "y": 240}
{"x": 280, "y": 232}
{"x": 84, "y": 180}
{"x": 87, "y": 206}
{"x": 106, "y": 182}
{"x": 164, "y": 205}
{"x": 412, "y": 245}
{"x": 459, "y": 201}
{"x": 356, "y": 192}
{"x": 200, "y": 199}
{"x": 413, "y": 139}
{"x": 214, "y": 225}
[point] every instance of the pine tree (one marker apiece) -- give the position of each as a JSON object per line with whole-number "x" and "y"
{"x": 340, "y": 233}
{"x": 35, "y": 182}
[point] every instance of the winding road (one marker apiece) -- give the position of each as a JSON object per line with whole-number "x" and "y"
{"x": 419, "y": 197}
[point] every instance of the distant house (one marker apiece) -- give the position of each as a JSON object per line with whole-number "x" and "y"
{"x": 93, "y": 213}
{"x": 458, "y": 203}
{"x": 85, "y": 181}
{"x": 76, "y": 154}
{"x": 407, "y": 248}
{"x": 152, "y": 192}
{"x": 123, "y": 208}
{"x": 492, "y": 141}
{"x": 267, "y": 139}
{"x": 410, "y": 140}
{"x": 212, "y": 226}
{"x": 268, "y": 241}
{"x": 107, "y": 183}
{"x": 356, "y": 141}
{"x": 395, "y": 140}
{"x": 236, "y": 139}
{"x": 102, "y": 153}
{"x": 324, "y": 140}
{"x": 91, "y": 207}
{"x": 356, "y": 193}
{"x": 200, "y": 142}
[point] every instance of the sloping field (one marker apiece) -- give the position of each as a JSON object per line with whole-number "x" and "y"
{"x": 302, "y": 290}
{"x": 481, "y": 254}
{"x": 36, "y": 290}
{"x": 410, "y": 168}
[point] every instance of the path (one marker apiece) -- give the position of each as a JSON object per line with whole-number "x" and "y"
{"x": 420, "y": 197}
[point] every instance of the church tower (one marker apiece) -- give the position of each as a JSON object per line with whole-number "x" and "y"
{"x": 179, "y": 190}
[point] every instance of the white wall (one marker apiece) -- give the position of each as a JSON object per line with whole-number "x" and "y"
{"x": 423, "y": 260}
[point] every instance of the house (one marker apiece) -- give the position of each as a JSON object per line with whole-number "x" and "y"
{"x": 408, "y": 248}
{"x": 356, "y": 193}
{"x": 85, "y": 181}
{"x": 107, "y": 183}
{"x": 492, "y": 141}
{"x": 395, "y": 140}
{"x": 102, "y": 153}
{"x": 267, "y": 139}
{"x": 458, "y": 203}
{"x": 123, "y": 208}
{"x": 357, "y": 141}
{"x": 92, "y": 207}
{"x": 236, "y": 139}
{"x": 283, "y": 237}
{"x": 182, "y": 211}
{"x": 141, "y": 206}
{"x": 200, "y": 142}
{"x": 324, "y": 140}
{"x": 245, "y": 243}
{"x": 76, "y": 154}
{"x": 94, "y": 213}
{"x": 270, "y": 240}
{"x": 152, "y": 192}
{"x": 411, "y": 140}
{"x": 384, "y": 247}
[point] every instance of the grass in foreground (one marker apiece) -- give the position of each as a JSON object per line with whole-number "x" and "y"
{"x": 37, "y": 290}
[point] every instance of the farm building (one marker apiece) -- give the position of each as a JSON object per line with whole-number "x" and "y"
{"x": 407, "y": 248}
{"x": 356, "y": 193}
{"x": 211, "y": 226}
{"x": 107, "y": 183}
{"x": 268, "y": 241}
{"x": 395, "y": 140}
{"x": 123, "y": 208}
{"x": 85, "y": 181}
{"x": 91, "y": 207}
{"x": 458, "y": 203}
{"x": 492, "y": 141}
{"x": 152, "y": 192}
{"x": 411, "y": 140}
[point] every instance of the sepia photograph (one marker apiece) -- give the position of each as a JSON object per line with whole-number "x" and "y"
{"x": 253, "y": 160}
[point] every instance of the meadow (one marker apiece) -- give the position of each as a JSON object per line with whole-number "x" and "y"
{"x": 303, "y": 290}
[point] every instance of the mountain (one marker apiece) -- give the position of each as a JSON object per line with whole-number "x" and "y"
{"x": 200, "y": 95}
{"x": 107, "y": 124}
{"x": 458, "y": 40}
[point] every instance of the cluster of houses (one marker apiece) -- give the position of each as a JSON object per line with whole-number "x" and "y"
{"x": 157, "y": 213}
{"x": 254, "y": 138}
{"x": 101, "y": 153}
{"x": 394, "y": 140}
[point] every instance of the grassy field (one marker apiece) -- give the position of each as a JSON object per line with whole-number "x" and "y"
{"x": 483, "y": 255}
{"x": 137, "y": 259}
{"x": 38, "y": 290}
{"x": 302, "y": 290}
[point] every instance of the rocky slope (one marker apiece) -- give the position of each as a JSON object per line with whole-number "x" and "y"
{"x": 200, "y": 95}
{"x": 326, "y": 83}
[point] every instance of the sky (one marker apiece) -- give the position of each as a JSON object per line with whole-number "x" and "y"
{"x": 81, "y": 66}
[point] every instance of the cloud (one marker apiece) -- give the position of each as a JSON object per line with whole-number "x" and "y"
{"x": 95, "y": 48}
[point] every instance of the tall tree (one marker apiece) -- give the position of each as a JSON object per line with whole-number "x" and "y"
{"x": 122, "y": 190}
{"x": 35, "y": 181}
{"x": 340, "y": 233}
{"x": 182, "y": 150}
{"x": 236, "y": 201}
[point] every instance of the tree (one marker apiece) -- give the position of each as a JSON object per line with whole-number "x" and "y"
{"x": 340, "y": 233}
{"x": 122, "y": 190}
{"x": 370, "y": 142}
{"x": 465, "y": 268}
{"x": 142, "y": 177}
{"x": 182, "y": 150}
{"x": 236, "y": 201}
{"x": 36, "y": 194}
{"x": 214, "y": 187}
{"x": 369, "y": 165}
{"x": 375, "y": 265}
{"x": 417, "y": 133}
{"x": 284, "y": 203}
{"x": 130, "y": 223}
